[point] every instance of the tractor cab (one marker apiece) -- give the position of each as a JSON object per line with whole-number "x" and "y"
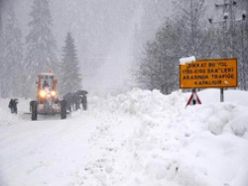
{"x": 46, "y": 87}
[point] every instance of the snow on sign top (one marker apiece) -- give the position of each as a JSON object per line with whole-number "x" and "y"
{"x": 186, "y": 60}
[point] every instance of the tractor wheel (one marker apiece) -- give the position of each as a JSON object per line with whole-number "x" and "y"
{"x": 34, "y": 110}
{"x": 63, "y": 109}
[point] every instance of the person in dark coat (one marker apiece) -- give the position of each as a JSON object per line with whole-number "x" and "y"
{"x": 76, "y": 101}
{"x": 84, "y": 101}
{"x": 13, "y": 105}
{"x": 69, "y": 101}
{"x": 83, "y": 98}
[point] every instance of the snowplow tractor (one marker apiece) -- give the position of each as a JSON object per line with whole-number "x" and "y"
{"x": 47, "y": 101}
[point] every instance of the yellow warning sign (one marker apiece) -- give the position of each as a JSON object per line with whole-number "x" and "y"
{"x": 209, "y": 73}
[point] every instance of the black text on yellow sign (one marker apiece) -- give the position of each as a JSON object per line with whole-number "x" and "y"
{"x": 209, "y": 73}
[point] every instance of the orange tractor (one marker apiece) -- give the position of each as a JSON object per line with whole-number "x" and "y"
{"x": 47, "y": 101}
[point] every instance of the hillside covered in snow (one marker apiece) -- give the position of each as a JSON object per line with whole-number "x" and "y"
{"x": 140, "y": 138}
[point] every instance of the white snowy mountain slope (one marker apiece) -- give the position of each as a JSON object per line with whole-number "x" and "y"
{"x": 141, "y": 138}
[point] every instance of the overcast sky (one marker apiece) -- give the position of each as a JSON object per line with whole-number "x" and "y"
{"x": 106, "y": 33}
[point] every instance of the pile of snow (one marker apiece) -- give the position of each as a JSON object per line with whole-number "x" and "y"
{"x": 138, "y": 138}
{"x": 186, "y": 60}
{"x": 140, "y": 102}
{"x": 200, "y": 145}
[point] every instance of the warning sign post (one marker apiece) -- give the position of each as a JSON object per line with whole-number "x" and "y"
{"x": 209, "y": 73}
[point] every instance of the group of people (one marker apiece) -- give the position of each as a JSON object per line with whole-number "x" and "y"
{"x": 13, "y": 105}
{"x": 75, "y": 99}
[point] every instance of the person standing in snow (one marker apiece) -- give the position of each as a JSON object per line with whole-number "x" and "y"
{"x": 13, "y": 105}
{"x": 69, "y": 101}
{"x": 76, "y": 101}
{"x": 84, "y": 101}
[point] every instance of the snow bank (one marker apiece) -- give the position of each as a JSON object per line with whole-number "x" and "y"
{"x": 137, "y": 138}
{"x": 171, "y": 145}
{"x": 140, "y": 102}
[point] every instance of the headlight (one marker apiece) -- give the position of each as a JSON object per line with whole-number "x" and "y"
{"x": 42, "y": 94}
{"x": 53, "y": 93}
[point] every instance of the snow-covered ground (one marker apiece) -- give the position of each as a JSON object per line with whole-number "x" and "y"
{"x": 141, "y": 138}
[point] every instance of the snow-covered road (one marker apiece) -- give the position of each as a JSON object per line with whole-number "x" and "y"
{"x": 138, "y": 138}
{"x": 43, "y": 152}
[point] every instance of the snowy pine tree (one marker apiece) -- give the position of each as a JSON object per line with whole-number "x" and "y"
{"x": 41, "y": 47}
{"x": 183, "y": 36}
{"x": 71, "y": 80}
{"x": 194, "y": 39}
{"x": 159, "y": 67}
{"x": 11, "y": 55}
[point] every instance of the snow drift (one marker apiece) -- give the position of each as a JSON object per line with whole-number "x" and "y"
{"x": 137, "y": 138}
